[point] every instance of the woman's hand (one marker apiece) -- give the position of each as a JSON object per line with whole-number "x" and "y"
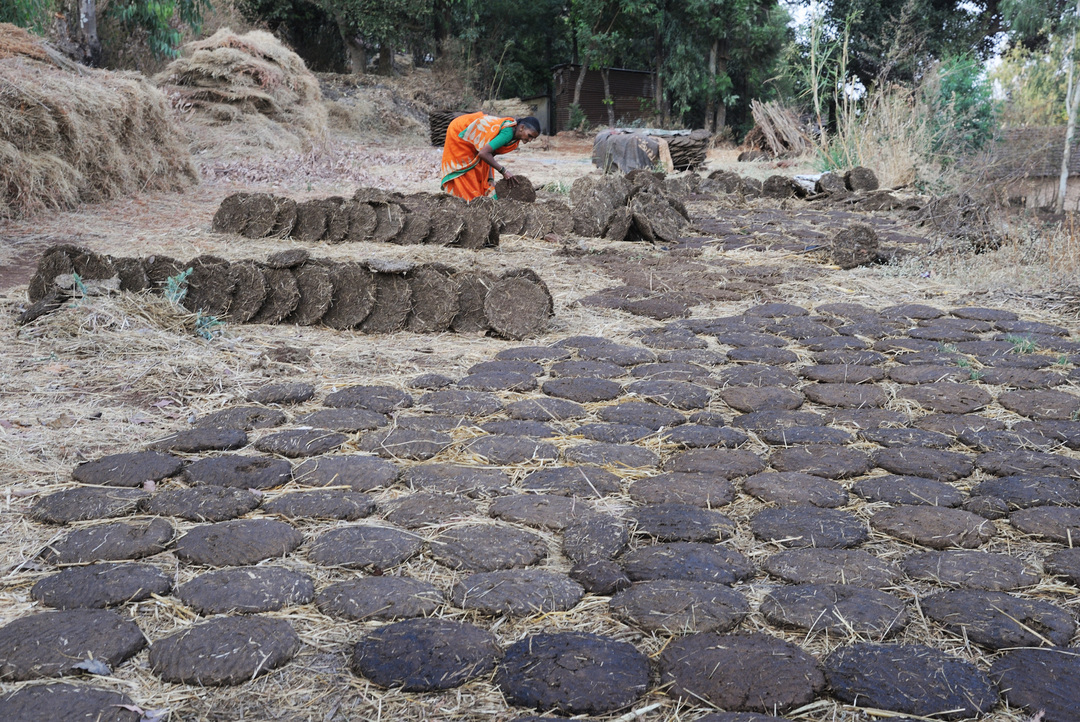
{"x": 506, "y": 174}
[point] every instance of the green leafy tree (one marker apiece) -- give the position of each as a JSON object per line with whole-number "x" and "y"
{"x": 889, "y": 38}
{"x": 1034, "y": 85}
{"x": 160, "y": 20}
{"x": 305, "y": 27}
{"x": 511, "y": 45}
{"x": 606, "y": 33}
{"x": 740, "y": 42}
{"x": 379, "y": 24}
{"x": 963, "y": 112}
{"x": 32, "y": 14}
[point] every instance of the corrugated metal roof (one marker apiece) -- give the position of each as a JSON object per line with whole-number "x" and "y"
{"x": 1033, "y": 153}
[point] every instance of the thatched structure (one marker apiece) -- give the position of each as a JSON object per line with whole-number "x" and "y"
{"x": 1026, "y": 163}
{"x": 245, "y": 92}
{"x": 70, "y": 134}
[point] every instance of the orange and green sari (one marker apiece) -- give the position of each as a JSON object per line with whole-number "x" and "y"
{"x": 464, "y": 174}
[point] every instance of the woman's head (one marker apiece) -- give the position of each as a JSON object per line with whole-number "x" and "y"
{"x": 527, "y": 129}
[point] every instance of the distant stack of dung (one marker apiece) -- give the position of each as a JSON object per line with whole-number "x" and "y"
{"x": 378, "y": 216}
{"x": 640, "y": 206}
{"x": 292, "y": 287}
{"x": 438, "y": 122}
{"x": 688, "y": 151}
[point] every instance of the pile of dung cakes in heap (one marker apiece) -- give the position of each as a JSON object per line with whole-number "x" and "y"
{"x": 379, "y": 216}
{"x": 689, "y": 151}
{"x": 640, "y": 206}
{"x": 292, "y": 287}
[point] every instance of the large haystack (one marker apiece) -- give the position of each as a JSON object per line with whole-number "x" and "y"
{"x": 70, "y": 134}
{"x": 245, "y": 93}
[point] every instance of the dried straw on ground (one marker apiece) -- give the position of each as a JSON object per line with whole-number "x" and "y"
{"x": 243, "y": 92}
{"x": 71, "y": 137}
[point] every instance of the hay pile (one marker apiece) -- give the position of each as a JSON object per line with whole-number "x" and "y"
{"x": 245, "y": 92}
{"x": 16, "y": 42}
{"x": 383, "y": 217}
{"x": 291, "y": 287}
{"x": 74, "y": 137}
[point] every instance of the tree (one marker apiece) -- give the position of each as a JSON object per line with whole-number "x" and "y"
{"x": 1046, "y": 18}
{"x": 32, "y": 14}
{"x": 891, "y": 39}
{"x": 369, "y": 24}
{"x": 512, "y": 44}
{"x": 741, "y": 39}
{"x": 161, "y": 20}
{"x": 305, "y": 27}
{"x": 1033, "y": 83}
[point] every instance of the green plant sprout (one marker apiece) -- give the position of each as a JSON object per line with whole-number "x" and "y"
{"x": 1022, "y": 345}
{"x": 208, "y": 326}
{"x": 79, "y": 285}
{"x": 176, "y": 286}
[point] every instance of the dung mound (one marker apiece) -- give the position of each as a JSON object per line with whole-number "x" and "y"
{"x": 856, "y": 245}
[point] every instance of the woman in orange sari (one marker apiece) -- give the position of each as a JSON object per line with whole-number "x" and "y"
{"x": 472, "y": 142}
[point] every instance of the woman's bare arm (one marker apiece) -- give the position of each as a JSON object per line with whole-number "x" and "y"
{"x": 487, "y": 154}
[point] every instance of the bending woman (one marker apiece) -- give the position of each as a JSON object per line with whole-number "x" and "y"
{"x": 472, "y": 142}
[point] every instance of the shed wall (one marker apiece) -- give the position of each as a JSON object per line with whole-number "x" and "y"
{"x": 631, "y": 90}
{"x": 1042, "y": 192}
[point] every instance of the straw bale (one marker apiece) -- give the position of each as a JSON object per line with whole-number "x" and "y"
{"x": 81, "y": 137}
{"x": 243, "y": 92}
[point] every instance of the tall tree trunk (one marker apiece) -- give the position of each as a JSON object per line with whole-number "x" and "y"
{"x": 658, "y": 60}
{"x": 721, "y": 69}
{"x": 710, "y": 102}
{"x": 608, "y": 100}
{"x": 88, "y": 31}
{"x": 443, "y": 23}
{"x": 578, "y": 83}
{"x": 386, "y": 59}
{"x": 354, "y": 50}
{"x": 665, "y": 106}
{"x": 1072, "y": 99}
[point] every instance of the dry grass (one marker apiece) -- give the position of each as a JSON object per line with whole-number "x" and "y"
{"x": 245, "y": 94}
{"x": 892, "y": 135}
{"x": 16, "y": 42}
{"x": 68, "y": 138}
{"x": 1036, "y": 266}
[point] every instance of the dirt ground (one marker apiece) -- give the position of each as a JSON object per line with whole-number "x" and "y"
{"x": 112, "y": 375}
